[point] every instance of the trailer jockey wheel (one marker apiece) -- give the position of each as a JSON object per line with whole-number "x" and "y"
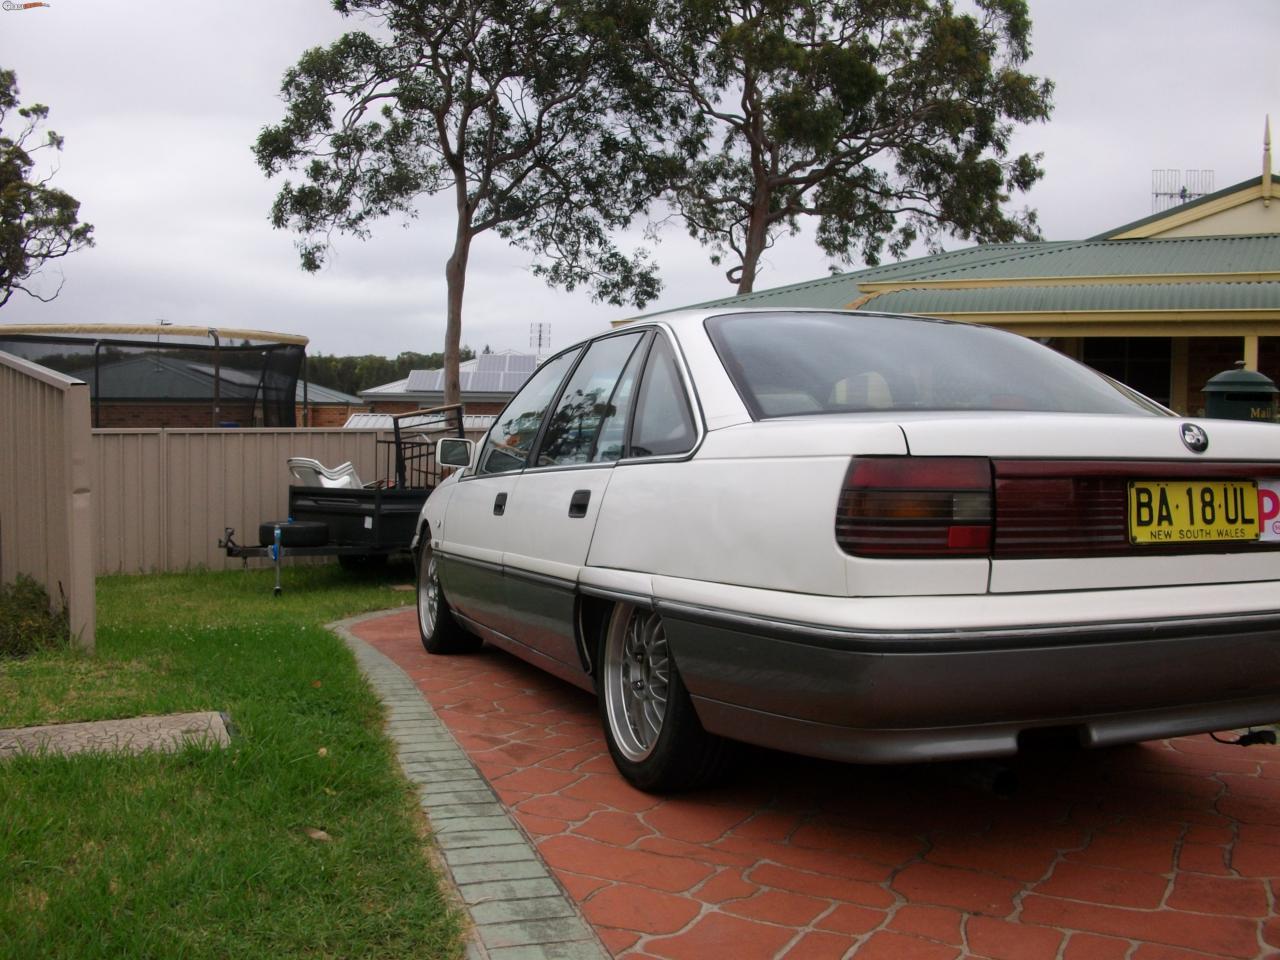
{"x": 299, "y": 533}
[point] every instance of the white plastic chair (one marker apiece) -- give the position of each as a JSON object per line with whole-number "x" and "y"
{"x": 312, "y": 473}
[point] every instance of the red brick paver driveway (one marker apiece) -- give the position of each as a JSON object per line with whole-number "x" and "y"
{"x": 1165, "y": 851}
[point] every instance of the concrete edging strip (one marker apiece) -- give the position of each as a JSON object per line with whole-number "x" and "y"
{"x": 518, "y": 908}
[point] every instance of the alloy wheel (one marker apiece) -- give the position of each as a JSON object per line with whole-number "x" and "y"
{"x": 428, "y": 593}
{"x": 637, "y": 676}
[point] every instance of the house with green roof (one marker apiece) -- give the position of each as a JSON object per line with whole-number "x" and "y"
{"x": 1162, "y": 304}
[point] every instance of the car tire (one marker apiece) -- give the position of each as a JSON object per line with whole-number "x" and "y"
{"x": 438, "y": 628}
{"x": 654, "y": 735}
{"x": 294, "y": 533}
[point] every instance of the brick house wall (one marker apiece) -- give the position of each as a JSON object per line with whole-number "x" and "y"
{"x": 1269, "y": 357}
{"x": 171, "y": 413}
{"x": 483, "y": 409}
{"x": 328, "y": 414}
{"x": 1208, "y": 356}
{"x": 408, "y": 406}
{"x": 197, "y": 414}
{"x": 392, "y": 406}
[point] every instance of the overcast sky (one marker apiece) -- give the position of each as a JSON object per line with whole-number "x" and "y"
{"x": 160, "y": 100}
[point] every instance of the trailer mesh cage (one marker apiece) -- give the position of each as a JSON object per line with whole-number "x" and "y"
{"x": 408, "y": 458}
{"x": 168, "y": 376}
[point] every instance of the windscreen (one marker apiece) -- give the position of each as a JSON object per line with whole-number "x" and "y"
{"x": 792, "y": 364}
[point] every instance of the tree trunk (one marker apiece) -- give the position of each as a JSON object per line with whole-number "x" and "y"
{"x": 756, "y": 240}
{"x": 455, "y": 275}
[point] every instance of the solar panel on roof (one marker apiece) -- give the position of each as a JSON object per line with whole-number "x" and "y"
{"x": 511, "y": 382}
{"x": 487, "y": 373}
{"x": 424, "y": 380}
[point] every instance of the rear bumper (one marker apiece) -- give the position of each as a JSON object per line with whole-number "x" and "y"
{"x": 884, "y": 696}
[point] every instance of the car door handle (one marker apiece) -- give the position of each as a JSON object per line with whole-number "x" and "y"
{"x": 578, "y": 503}
{"x": 500, "y": 504}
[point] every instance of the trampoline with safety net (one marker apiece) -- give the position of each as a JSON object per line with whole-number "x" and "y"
{"x": 171, "y": 376}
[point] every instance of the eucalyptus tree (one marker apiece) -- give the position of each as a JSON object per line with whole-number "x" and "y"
{"x": 38, "y": 222}
{"x": 523, "y": 111}
{"x": 886, "y": 120}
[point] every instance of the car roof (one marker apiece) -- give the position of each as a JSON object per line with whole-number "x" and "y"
{"x": 684, "y": 321}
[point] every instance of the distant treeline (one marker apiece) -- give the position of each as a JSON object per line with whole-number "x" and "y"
{"x": 353, "y": 374}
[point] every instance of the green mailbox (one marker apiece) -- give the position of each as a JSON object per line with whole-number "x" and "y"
{"x": 1241, "y": 394}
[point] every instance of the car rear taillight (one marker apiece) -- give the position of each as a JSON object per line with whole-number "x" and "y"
{"x": 916, "y": 507}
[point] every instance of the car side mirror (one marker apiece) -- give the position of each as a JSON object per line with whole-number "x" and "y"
{"x": 454, "y": 452}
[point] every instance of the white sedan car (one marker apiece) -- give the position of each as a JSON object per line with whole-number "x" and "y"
{"x": 858, "y": 536}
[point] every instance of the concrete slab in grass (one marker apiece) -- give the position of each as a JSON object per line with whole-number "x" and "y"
{"x": 168, "y": 734}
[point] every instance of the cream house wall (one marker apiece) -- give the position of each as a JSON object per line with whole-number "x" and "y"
{"x": 1248, "y": 218}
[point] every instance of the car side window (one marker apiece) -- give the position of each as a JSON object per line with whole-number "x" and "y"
{"x": 510, "y": 440}
{"x": 613, "y": 432}
{"x": 664, "y": 422}
{"x": 587, "y": 401}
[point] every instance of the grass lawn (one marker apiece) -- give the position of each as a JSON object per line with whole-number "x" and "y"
{"x": 206, "y": 853}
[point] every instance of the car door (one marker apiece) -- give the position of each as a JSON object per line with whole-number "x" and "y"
{"x": 664, "y": 429}
{"x": 556, "y": 500}
{"x": 476, "y": 529}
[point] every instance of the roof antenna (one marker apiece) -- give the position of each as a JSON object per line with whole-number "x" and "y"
{"x": 1266, "y": 163}
{"x": 1172, "y": 188}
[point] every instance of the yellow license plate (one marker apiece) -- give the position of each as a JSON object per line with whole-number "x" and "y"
{"x": 1181, "y": 511}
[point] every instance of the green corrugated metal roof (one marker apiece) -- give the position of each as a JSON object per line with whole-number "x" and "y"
{"x": 840, "y": 289}
{"x": 1064, "y": 258}
{"x": 1075, "y": 297}
{"x": 830, "y": 292}
{"x": 1117, "y": 258}
{"x": 967, "y": 258}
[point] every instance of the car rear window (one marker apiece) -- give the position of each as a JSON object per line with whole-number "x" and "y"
{"x": 792, "y": 364}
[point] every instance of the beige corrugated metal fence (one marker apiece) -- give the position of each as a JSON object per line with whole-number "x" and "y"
{"x": 46, "y": 519}
{"x": 167, "y": 495}
{"x": 161, "y": 498}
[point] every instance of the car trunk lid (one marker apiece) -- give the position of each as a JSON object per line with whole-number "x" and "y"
{"x": 1063, "y": 487}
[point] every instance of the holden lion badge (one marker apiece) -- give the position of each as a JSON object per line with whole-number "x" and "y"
{"x": 1194, "y": 437}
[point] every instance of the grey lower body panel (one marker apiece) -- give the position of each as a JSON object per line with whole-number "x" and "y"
{"x": 538, "y": 613}
{"x": 571, "y": 674}
{"x": 903, "y": 699}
